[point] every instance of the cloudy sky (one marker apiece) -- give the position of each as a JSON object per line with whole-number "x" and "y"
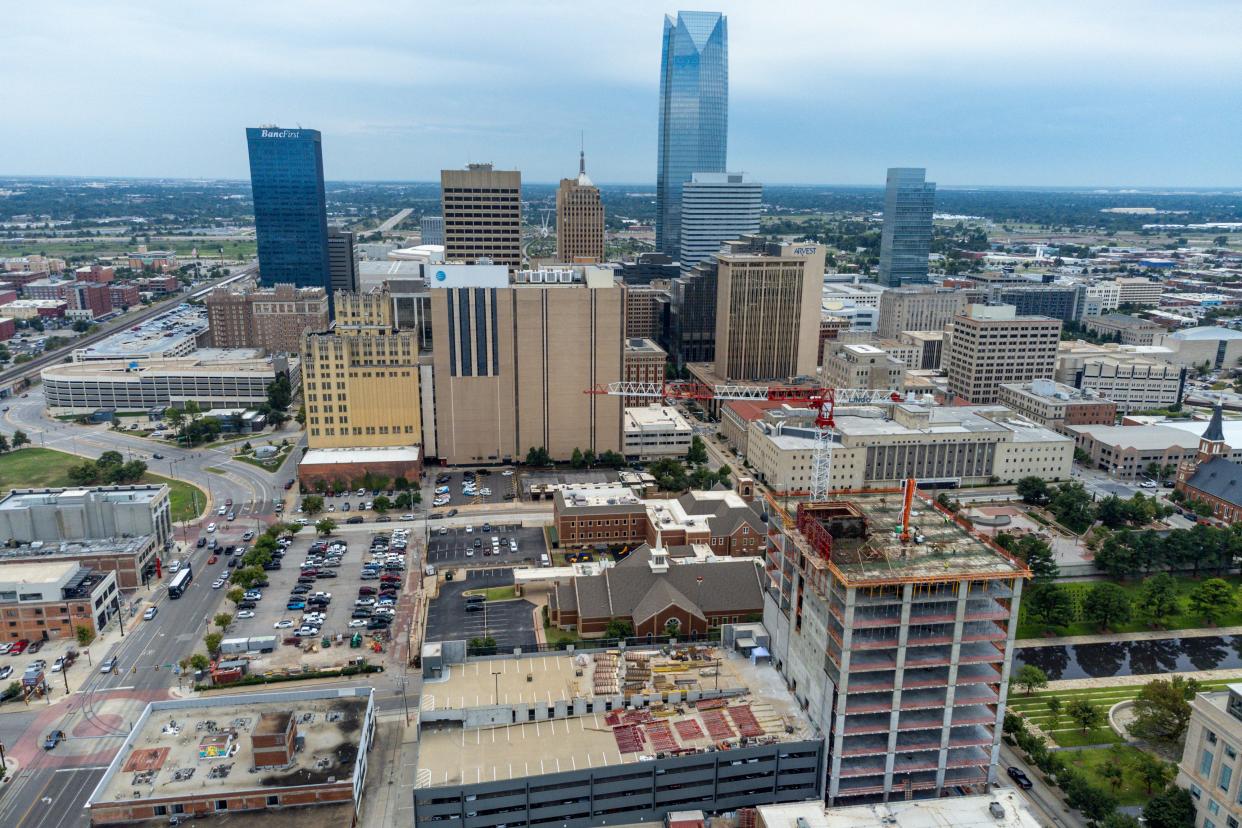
{"x": 995, "y": 92}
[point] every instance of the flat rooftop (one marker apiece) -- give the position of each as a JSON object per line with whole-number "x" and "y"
{"x": 26, "y": 498}
{"x": 946, "y": 551}
{"x": 76, "y": 548}
{"x": 956, "y": 811}
{"x": 345, "y": 456}
{"x": 155, "y": 336}
{"x": 37, "y": 573}
{"x": 203, "y": 746}
{"x": 449, "y": 755}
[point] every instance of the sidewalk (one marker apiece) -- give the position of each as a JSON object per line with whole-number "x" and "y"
{"x": 391, "y": 777}
{"x": 1144, "y": 635}
{"x": 1136, "y": 680}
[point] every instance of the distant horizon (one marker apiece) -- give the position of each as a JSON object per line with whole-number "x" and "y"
{"x": 1102, "y": 189}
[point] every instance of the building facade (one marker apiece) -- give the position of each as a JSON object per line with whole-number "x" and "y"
{"x": 362, "y": 378}
{"x": 921, "y": 309}
{"x": 768, "y": 310}
{"x": 643, "y": 314}
{"x": 654, "y": 431}
{"x": 1138, "y": 290}
{"x": 290, "y": 208}
{"x": 512, "y": 360}
{"x": 991, "y": 344}
{"x": 693, "y": 128}
{"x": 717, "y": 207}
{"x": 905, "y": 241}
{"x": 272, "y": 319}
{"x": 1054, "y": 405}
{"x": 1209, "y": 768}
{"x": 431, "y": 230}
{"x": 1128, "y": 330}
{"x": 862, "y": 366}
{"x": 482, "y": 215}
{"x": 342, "y": 262}
{"x": 579, "y": 219}
{"x": 48, "y": 601}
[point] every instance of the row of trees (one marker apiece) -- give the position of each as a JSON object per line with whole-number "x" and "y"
{"x": 1128, "y": 554}
{"x": 19, "y": 439}
{"x": 1107, "y": 605}
{"x": 1076, "y": 509}
{"x": 109, "y": 468}
{"x": 369, "y": 481}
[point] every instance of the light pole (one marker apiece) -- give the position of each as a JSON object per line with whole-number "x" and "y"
{"x": 496, "y": 687}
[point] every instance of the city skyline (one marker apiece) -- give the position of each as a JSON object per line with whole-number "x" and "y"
{"x": 1059, "y": 96}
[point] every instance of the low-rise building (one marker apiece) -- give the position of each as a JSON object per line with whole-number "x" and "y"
{"x": 1210, "y": 768}
{"x": 123, "y": 296}
{"x": 273, "y": 319}
{"x": 1138, "y": 290}
{"x": 330, "y": 465}
{"x": 219, "y": 379}
{"x": 221, "y": 755}
{"x": 35, "y": 308}
{"x": 1128, "y": 330}
{"x": 178, "y": 332}
{"x": 1217, "y": 482}
{"x": 1211, "y": 345}
{"x": 1003, "y": 808}
{"x": 862, "y": 366}
{"x": 1054, "y": 404}
{"x": 613, "y": 515}
{"x": 654, "y": 431}
{"x": 159, "y": 260}
{"x": 736, "y": 417}
{"x": 1127, "y": 451}
{"x": 48, "y": 601}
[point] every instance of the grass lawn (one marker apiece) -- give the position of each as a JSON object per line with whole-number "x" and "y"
{"x": 207, "y": 248}
{"x": 1183, "y": 620}
{"x": 31, "y": 467}
{"x": 270, "y": 464}
{"x": 506, "y": 593}
{"x": 555, "y": 635}
{"x": 1132, "y": 790}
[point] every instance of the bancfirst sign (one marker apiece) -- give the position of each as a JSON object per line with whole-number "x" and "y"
{"x": 280, "y": 133}
{"x": 467, "y": 276}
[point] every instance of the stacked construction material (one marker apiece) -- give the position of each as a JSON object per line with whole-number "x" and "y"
{"x": 637, "y": 670}
{"x": 745, "y": 721}
{"x": 604, "y": 679}
{"x": 689, "y": 730}
{"x": 661, "y": 737}
{"x": 717, "y": 726}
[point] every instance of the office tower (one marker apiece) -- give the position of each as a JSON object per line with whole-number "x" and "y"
{"x": 691, "y": 329}
{"x": 905, "y": 242}
{"x": 342, "y": 264}
{"x": 648, "y": 268}
{"x": 642, "y": 311}
{"x": 432, "y": 229}
{"x": 290, "y": 209}
{"x": 579, "y": 218}
{"x": 901, "y": 652}
{"x": 921, "y": 308}
{"x": 1064, "y": 302}
{"x": 716, "y": 207}
{"x": 694, "y": 113}
{"x": 767, "y": 309}
{"x": 512, "y": 361}
{"x": 482, "y": 215}
{"x": 360, "y": 379}
{"x": 991, "y": 344}
{"x": 272, "y": 319}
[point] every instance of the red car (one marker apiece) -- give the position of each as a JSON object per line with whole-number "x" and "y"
{"x": 213, "y": 559}
{"x": 19, "y": 646}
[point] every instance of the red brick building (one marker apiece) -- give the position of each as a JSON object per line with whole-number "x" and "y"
{"x": 123, "y": 296}
{"x": 8, "y": 328}
{"x": 95, "y": 298}
{"x": 657, "y": 595}
{"x": 1212, "y": 477}
{"x": 99, "y": 274}
{"x": 332, "y": 465}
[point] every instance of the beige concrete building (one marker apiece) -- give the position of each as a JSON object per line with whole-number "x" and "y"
{"x": 991, "y": 344}
{"x": 930, "y": 347}
{"x": 1128, "y": 330}
{"x": 1053, "y": 404}
{"x": 273, "y": 319}
{"x": 1127, "y": 451}
{"x": 921, "y": 308}
{"x": 768, "y": 309}
{"x": 482, "y": 214}
{"x": 644, "y": 361}
{"x": 579, "y": 219}
{"x": 642, "y": 311}
{"x": 654, "y": 431}
{"x": 1138, "y": 290}
{"x": 862, "y": 366}
{"x": 511, "y": 365}
{"x": 1210, "y": 767}
{"x": 1134, "y": 383}
{"x": 361, "y": 378}
{"x": 956, "y": 445}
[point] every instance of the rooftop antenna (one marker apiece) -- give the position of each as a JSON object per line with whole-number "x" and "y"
{"x": 581, "y": 153}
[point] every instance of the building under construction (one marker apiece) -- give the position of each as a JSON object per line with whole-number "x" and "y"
{"x": 894, "y": 627}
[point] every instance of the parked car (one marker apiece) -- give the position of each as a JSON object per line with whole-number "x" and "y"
{"x": 245, "y": 614}
{"x": 1021, "y": 779}
{"x": 34, "y": 647}
{"x": 19, "y": 646}
{"x": 201, "y": 543}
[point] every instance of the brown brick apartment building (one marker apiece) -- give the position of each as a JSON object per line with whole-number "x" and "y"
{"x": 47, "y": 601}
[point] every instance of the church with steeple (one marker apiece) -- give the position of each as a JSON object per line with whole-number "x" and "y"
{"x": 1212, "y": 476}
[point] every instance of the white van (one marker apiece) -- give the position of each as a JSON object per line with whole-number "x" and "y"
{"x": 544, "y": 560}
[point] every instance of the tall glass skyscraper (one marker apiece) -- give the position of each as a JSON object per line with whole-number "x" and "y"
{"x": 905, "y": 241}
{"x": 290, "y": 210}
{"x": 694, "y": 113}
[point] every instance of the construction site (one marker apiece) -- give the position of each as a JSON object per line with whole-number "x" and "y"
{"x": 894, "y": 624}
{"x": 610, "y": 737}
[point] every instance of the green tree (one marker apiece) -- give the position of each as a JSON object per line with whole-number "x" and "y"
{"x": 1172, "y": 808}
{"x": 20, "y": 439}
{"x": 1084, "y": 714}
{"x": 326, "y": 526}
{"x": 611, "y": 459}
{"x": 312, "y": 504}
{"x": 619, "y": 628}
{"x": 698, "y": 451}
{"x": 223, "y": 619}
{"x": 236, "y": 595}
{"x": 4, "y": 444}
{"x": 1054, "y": 705}
{"x": 482, "y": 645}
{"x": 538, "y": 457}
{"x": 84, "y": 635}
{"x": 1162, "y": 710}
{"x": 1152, "y": 771}
{"x": 1212, "y": 600}
{"x": 1157, "y": 598}
{"x": 1033, "y": 491}
{"x": 403, "y": 500}
{"x": 576, "y": 460}
{"x": 1031, "y": 678}
{"x": 280, "y": 393}
{"x": 1071, "y": 503}
{"x": 1119, "y": 820}
{"x": 382, "y": 504}
{"x": 1094, "y": 803}
{"x": 212, "y": 642}
{"x": 1037, "y": 554}
{"x": 1112, "y": 773}
{"x": 1049, "y": 604}
{"x": 1106, "y": 604}
{"x": 199, "y": 661}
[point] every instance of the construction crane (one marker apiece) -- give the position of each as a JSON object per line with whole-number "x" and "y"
{"x": 907, "y": 504}
{"x": 823, "y": 400}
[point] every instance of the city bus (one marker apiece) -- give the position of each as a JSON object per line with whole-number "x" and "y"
{"x": 180, "y": 581}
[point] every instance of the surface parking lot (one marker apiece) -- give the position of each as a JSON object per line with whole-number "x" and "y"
{"x": 343, "y": 588}
{"x": 511, "y": 623}
{"x": 452, "y": 546}
{"x": 493, "y": 479}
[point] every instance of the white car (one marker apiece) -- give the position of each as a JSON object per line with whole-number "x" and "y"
{"x": 217, "y": 583}
{"x": 282, "y": 625}
{"x": 1148, "y": 484}
{"x": 211, "y": 527}
{"x": 246, "y": 614}
{"x": 58, "y": 664}
{"x": 469, "y": 551}
{"x": 512, "y": 545}
{"x": 5, "y": 647}
{"x": 364, "y": 602}
{"x": 507, "y": 472}
{"x": 407, "y": 517}
{"x": 306, "y": 632}
{"x": 252, "y": 595}
{"x": 222, "y": 511}
{"x": 485, "y": 492}
{"x": 327, "y": 595}
{"x": 358, "y": 622}
{"x": 469, "y": 530}
{"x": 331, "y": 507}
{"x": 302, "y": 522}
{"x": 174, "y": 567}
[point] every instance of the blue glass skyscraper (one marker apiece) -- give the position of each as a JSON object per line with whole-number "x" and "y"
{"x": 694, "y": 113}
{"x": 290, "y": 210}
{"x": 905, "y": 240}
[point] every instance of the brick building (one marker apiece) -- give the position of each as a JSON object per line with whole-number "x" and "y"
{"x": 273, "y": 319}
{"x": 1055, "y": 405}
{"x": 330, "y": 465}
{"x": 45, "y": 601}
{"x": 123, "y": 296}
{"x": 89, "y": 296}
{"x": 99, "y": 274}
